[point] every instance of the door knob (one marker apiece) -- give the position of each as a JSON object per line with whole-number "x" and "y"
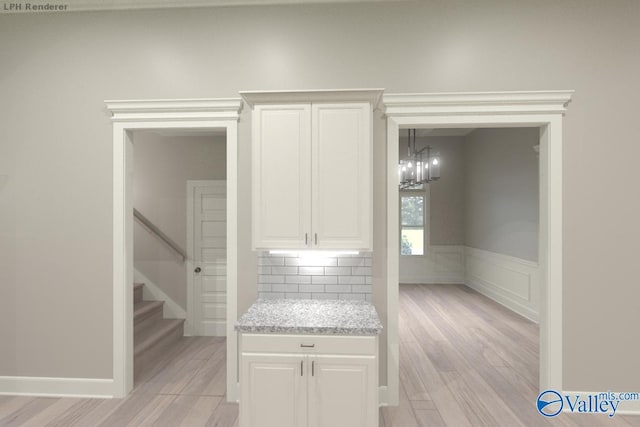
{"x": 198, "y": 270}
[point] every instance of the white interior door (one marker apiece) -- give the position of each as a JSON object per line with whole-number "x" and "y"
{"x": 208, "y": 267}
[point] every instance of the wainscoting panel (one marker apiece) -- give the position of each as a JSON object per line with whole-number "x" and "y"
{"x": 441, "y": 264}
{"x": 512, "y": 282}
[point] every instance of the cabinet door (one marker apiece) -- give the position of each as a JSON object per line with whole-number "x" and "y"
{"x": 343, "y": 391}
{"x": 273, "y": 391}
{"x": 341, "y": 176}
{"x": 281, "y": 183}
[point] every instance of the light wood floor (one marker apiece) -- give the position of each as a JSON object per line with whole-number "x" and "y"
{"x": 464, "y": 361}
{"x": 467, "y": 361}
{"x": 185, "y": 387}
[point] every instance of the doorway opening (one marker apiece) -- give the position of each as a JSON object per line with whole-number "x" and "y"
{"x": 172, "y": 116}
{"x": 468, "y": 274}
{"x": 543, "y": 110}
{"x": 179, "y": 199}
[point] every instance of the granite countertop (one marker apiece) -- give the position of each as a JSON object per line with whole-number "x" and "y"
{"x": 305, "y": 316}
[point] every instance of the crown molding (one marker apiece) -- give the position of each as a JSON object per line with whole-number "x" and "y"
{"x": 174, "y": 109}
{"x": 532, "y": 102}
{"x": 372, "y": 96}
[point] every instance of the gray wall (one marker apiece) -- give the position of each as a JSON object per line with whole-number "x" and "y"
{"x": 55, "y": 144}
{"x": 162, "y": 166}
{"x": 446, "y": 195}
{"x": 487, "y": 197}
{"x": 501, "y": 191}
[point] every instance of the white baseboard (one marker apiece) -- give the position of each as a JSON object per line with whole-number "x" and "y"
{"x": 57, "y": 387}
{"x": 512, "y": 282}
{"x": 433, "y": 280}
{"x": 234, "y": 396}
{"x": 627, "y": 407}
{"x": 213, "y": 328}
{"x": 383, "y": 399}
{"x": 151, "y": 291}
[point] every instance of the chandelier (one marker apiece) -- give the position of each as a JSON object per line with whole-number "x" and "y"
{"x": 421, "y": 167}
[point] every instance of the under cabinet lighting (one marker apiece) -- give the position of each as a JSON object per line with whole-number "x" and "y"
{"x": 314, "y": 254}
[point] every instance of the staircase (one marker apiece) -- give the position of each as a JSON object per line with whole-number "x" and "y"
{"x": 152, "y": 333}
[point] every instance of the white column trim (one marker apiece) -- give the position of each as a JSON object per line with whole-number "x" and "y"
{"x": 542, "y": 109}
{"x": 391, "y": 396}
{"x": 130, "y": 115}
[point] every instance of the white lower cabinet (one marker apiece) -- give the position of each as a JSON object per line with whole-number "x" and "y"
{"x": 341, "y": 393}
{"x": 307, "y": 380}
{"x": 273, "y": 392}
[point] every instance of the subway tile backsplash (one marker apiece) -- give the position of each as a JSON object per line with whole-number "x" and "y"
{"x": 299, "y": 276}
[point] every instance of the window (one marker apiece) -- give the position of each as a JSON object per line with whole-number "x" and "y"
{"x": 412, "y": 220}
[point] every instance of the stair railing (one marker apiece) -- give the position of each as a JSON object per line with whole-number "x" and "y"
{"x": 152, "y": 228}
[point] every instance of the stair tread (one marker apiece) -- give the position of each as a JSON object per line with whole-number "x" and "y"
{"x": 137, "y": 285}
{"x": 151, "y": 335}
{"x": 140, "y": 309}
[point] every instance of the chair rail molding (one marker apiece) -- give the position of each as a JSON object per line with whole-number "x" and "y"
{"x": 176, "y": 115}
{"x": 542, "y": 109}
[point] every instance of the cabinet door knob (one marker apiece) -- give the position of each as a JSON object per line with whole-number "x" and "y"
{"x": 316, "y": 238}
{"x": 306, "y": 238}
{"x": 198, "y": 270}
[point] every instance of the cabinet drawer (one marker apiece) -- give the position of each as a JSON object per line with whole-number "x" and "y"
{"x": 309, "y": 344}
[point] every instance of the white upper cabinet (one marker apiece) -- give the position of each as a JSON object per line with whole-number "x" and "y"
{"x": 341, "y": 179}
{"x": 312, "y": 169}
{"x": 281, "y": 183}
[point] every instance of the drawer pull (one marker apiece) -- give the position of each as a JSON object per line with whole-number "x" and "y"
{"x": 301, "y": 364}
{"x": 307, "y": 345}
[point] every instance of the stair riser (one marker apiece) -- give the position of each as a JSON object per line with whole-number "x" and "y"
{"x": 153, "y": 334}
{"x": 156, "y": 350}
{"x": 137, "y": 294}
{"x": 148, "y": 319}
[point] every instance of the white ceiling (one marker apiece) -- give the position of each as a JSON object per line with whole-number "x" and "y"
{"x": 89, "y": 5}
